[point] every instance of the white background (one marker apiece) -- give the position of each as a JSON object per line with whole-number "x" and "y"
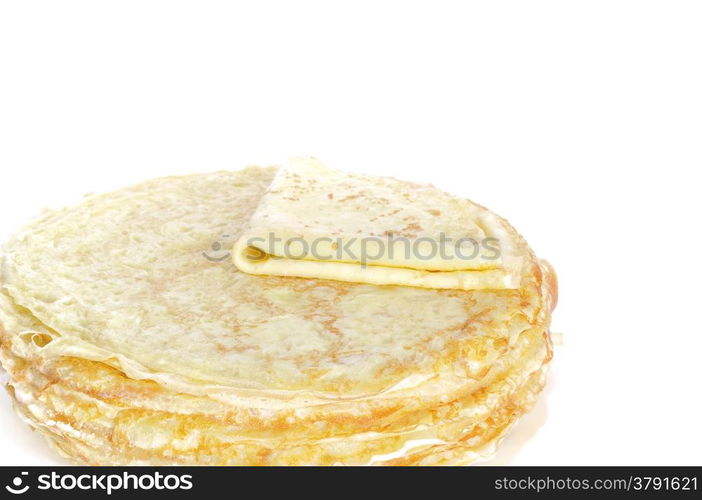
{"x": 581, "y": 122}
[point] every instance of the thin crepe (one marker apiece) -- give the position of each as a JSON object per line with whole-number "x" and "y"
{"x": 129, "y": 337}
{"x": 316, "y": 222}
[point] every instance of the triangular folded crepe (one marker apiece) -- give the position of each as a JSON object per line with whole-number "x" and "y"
{"x": 316, "y": 222}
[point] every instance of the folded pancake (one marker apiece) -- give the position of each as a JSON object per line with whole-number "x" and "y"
{"x": 129, "y": 337}
{"x": 316, "y": 222}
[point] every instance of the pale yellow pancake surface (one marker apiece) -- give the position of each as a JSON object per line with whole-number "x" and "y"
{"x": 130, "y": 337}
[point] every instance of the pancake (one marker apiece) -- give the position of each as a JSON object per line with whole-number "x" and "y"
{"x": 349, "y": 227}
{"x": 130, "y": 337}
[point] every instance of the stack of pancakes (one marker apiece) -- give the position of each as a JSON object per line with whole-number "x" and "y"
{"x": 130, "y": 337}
